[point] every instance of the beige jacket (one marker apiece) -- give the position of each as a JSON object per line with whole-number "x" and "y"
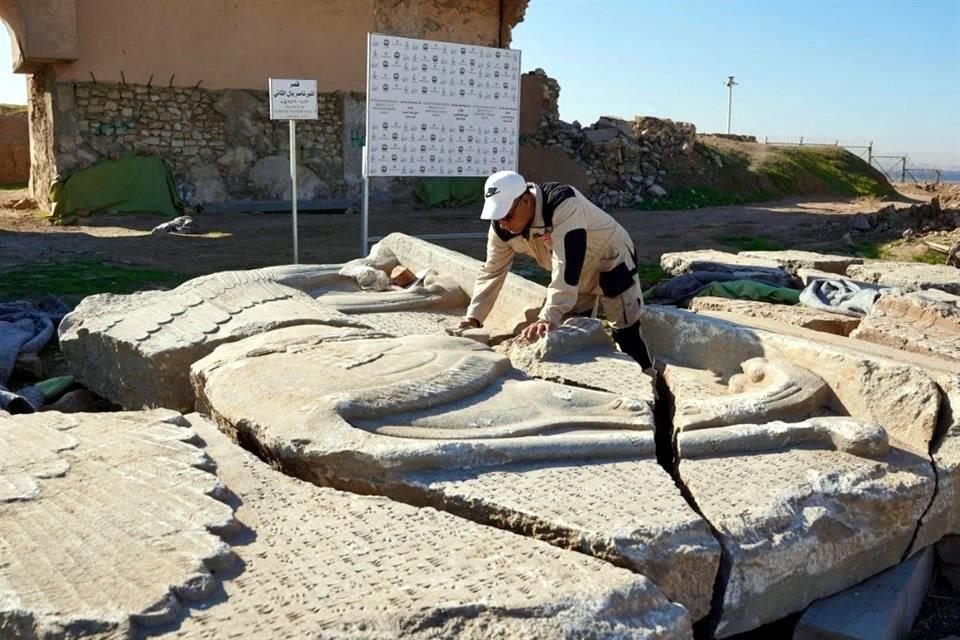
{"x": 570, "y": 237}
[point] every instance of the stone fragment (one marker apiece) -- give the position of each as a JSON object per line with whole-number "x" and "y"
{"x": 360, "y": 566}
{"x": 881, "y": 608}
{"x": 681, "y": 262}
{"x": 792, "y": 314}
{"x": 909, "y": 276}
{"x": 806, "y": 275}
{"x": 401, "y": 276}
{"x": 900, "y": 397}
{"x": 435, "y": 293}
{"x": 448, "y": 423}
{"x": 580, "y": 353}
{"x": 519, "y": 301}
{"x": 913, "y": 322}
{"x": 799, "y": 525}
{"x": 136, "y": 350}
{"x": 118, "y": 536}
{"x": 766, "y": 390}
{"x": 793, "y": 260}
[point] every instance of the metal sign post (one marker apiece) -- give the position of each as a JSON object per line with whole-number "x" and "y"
{"x": 293, "y": 100}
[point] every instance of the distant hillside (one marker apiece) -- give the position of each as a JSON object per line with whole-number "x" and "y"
{"x": 725, "y": 171}
{"x": 12, "y": 109}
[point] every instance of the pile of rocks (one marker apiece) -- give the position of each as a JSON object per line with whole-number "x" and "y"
{"x": 622, "y": 159}
{"x": 921, "y": 217}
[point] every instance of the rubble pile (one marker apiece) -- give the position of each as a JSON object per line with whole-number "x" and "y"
{"x": 622, "y": 159}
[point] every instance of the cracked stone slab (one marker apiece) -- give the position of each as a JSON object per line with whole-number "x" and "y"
{"x": 111, "y": 523}
{"x": 439, "y": 421}
{"x": 680, "y": 262}
{"x": 909, "y": 276}
{"x": 792, "y": 314}
{"x": 352, "y": 566}
{"x": 792, "y": 260}
{"x": 580, "y": 353}
{"x": 913, "y": 322}
{"x": 136, "y": 350}
{"x": 802, "y": 524}
{"x": 901, "y": 397}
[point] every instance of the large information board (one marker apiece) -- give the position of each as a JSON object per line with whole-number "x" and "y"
{"x": 440, "y": 109}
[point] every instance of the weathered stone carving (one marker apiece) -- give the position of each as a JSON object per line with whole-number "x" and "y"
{"x": 766, "y": 390}
{"x": 368, "y": 567}
{"x": 681, "y": 262}
{"x": 909, "y": 276}
{"x": 136, "y": 350}
{"x": 580, "y": 353}
{"x": 790, "y": 314}
{"x": 794, "y": 260}
{"x": 914, "y": 322}
{"x": 108, "y": 525}
{"x": 436, "y": 292}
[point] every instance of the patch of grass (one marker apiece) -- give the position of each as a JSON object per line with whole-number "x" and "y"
{"x": 700, "y": 197}
{"x": 650, "y": 274}
{"x": 930, "y": 257}
{"x": 73, "y": 281}
{"x": 872, "y": 250}
{"x": 12, "y": 109}
{"x": 749, "y": 243}
{"x": 841, "y": 172}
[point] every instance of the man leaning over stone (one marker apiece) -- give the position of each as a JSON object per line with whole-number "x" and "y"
{"x": 586, "y": 251}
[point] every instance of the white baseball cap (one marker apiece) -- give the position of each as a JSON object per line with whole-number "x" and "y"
{"x": 499, "y": 192}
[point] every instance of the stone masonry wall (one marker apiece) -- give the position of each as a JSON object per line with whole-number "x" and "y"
{"x": 14, "y": 148}
{"x": 220, "y": 144}
{"x": 621, "y": 159}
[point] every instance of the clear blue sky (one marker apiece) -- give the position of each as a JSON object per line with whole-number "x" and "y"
{"x": 857, "y": 70}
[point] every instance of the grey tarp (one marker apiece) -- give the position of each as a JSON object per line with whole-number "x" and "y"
{"x": 25, "y": 327}
{"x": 840, "y": 295}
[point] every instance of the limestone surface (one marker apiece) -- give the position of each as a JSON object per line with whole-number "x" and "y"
{"x": 791, "y": 314}
{"x": 909, "y": 276}
{"x": 434, "y": 294}
{"x": 899, "y": 396}
{"x": 136, "y": 350}
{"x": 801, "y": 524}
{"x": 580, "y": 353}
{"x": 108, "y": 523}
{"x": 914, "y": 322}
{"x": 349, "y": 566}
{"x": 680, "y": 262}
{"x": 793, "y": 260}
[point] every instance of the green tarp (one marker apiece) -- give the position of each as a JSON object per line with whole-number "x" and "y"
{"x": 449, "y": 192}
{"x": 131, "y": 184}
{"x": 750, "y": 290}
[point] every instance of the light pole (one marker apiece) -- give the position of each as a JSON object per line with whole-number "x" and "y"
{"x": 730, "y": 84}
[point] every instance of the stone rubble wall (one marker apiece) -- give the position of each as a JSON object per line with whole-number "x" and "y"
{"x": 622, "y": 160}
{"x": 220, "y": 144}
{"x": 14, "y": 148}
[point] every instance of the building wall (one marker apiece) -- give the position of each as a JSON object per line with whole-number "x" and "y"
{"x": 14, "y": 148}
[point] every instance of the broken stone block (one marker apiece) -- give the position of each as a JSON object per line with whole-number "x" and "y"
{"x": 136, "y": 350}
{"x": 913, "y": 322}
{"x": 448, "y": 423}
{"x": 793, "y": 260}
{"x": 436, "y": 293}
{"x": 108, "y": 523}
{"x": 881, "y": 608}
{"x": 580, "y": 353}
{"x": 681, "y": 262}
{"x": 802, "y": 524}
{"x": 901, "y": 397}
{"x": 370, "y": 567}
{"x": 909, "y": 276}
{"x": 791, "y": 314}
{"x": 401, "y": 276}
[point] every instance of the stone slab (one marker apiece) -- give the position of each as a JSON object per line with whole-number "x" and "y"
{"x": 106, "y": 523}
{"x": 793, "y": 260}
{"x": 448, "y": 423}
{"x": 909, "y": 276}
{"x": 883, "y": 607}
{"x": 351, "y": 566}
{"x": 802, "y": 524}
{"x": 580, "y": 353}
{"x": 899, "y": 396}
{"x": 680, "y": 262}
{"x": 136, "y": 350}
{"x": 913, "y": 322}
{"x": 790, "y": 314}
{"x": 519, "y": 302}
{"x": 806, "y": 275}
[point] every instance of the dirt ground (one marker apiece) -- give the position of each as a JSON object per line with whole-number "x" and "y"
{"x": 247, "y": 240}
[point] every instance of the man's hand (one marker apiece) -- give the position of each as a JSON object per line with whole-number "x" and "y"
{"x": 535, "y": 330}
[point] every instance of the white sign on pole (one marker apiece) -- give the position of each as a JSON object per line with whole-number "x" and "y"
{"x": 293, "y": 99}
{"x": 440, "y": 108}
